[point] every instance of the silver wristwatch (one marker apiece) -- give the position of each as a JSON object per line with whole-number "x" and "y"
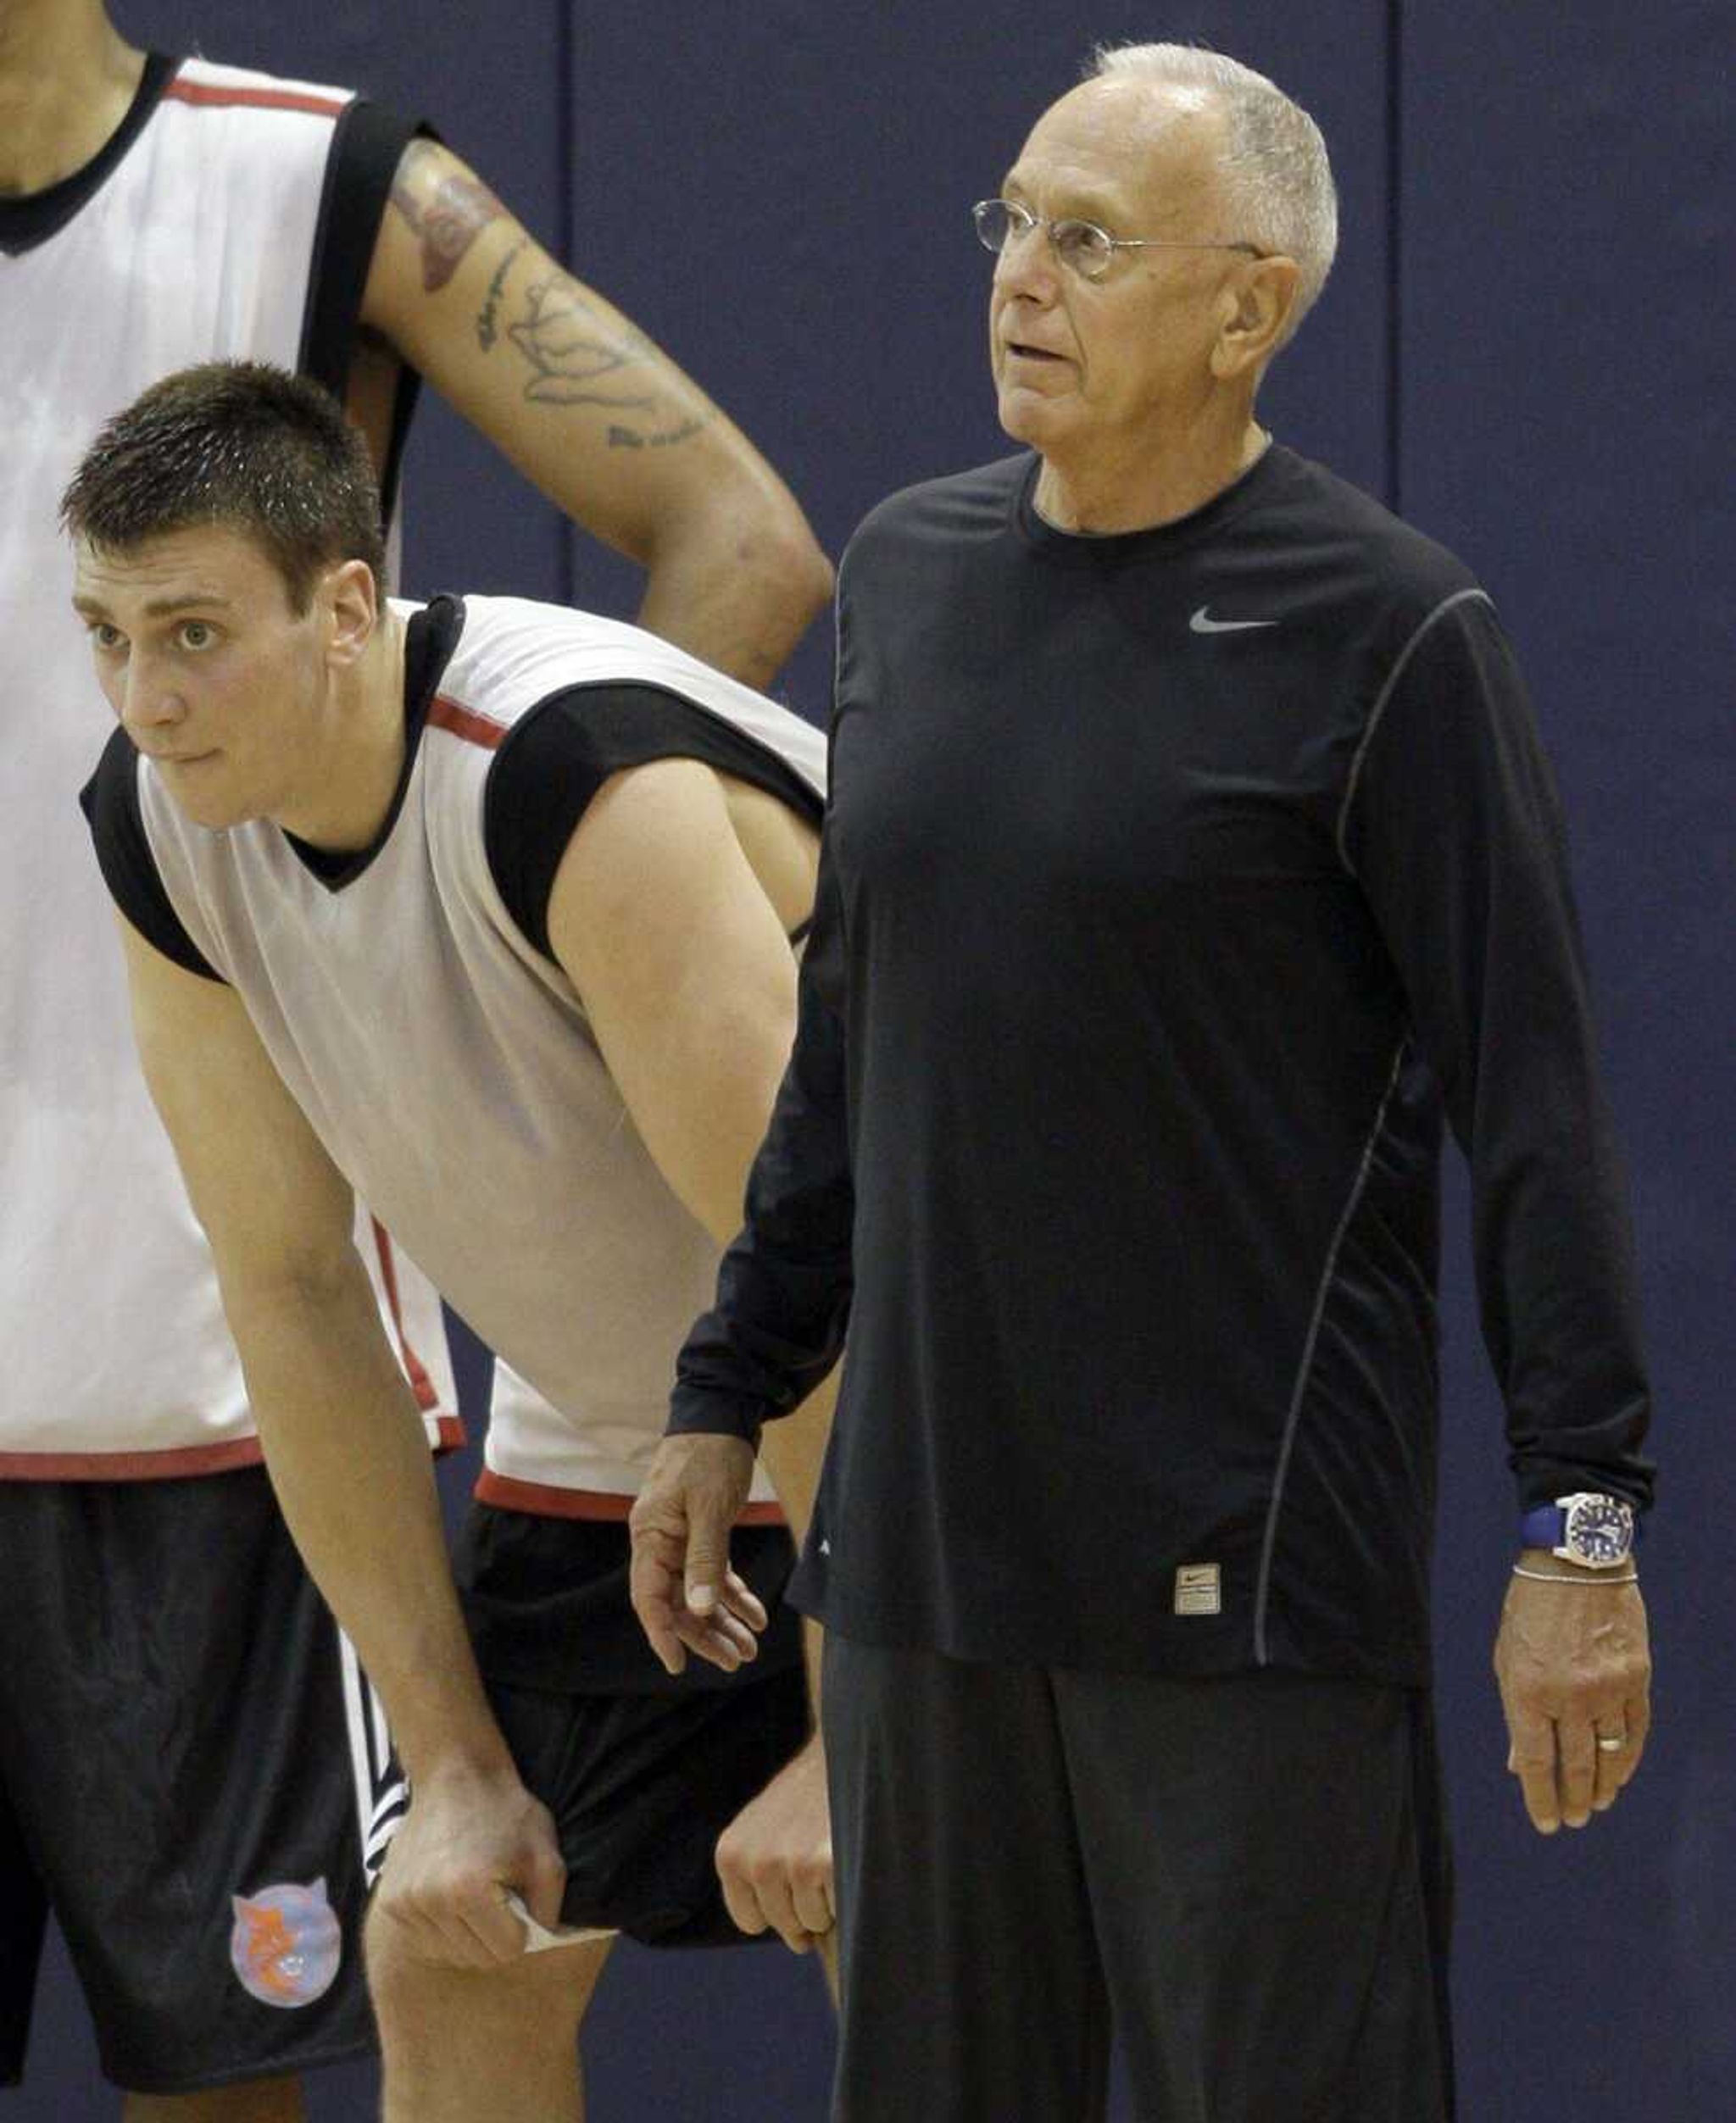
{"x": 1593, "y": 1530}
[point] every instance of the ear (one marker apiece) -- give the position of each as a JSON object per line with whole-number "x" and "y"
{"x": 1257, "y": 304}
{"x": 349, "y": 602}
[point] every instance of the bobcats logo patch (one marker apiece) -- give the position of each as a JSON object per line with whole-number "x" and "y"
{"x": 287, "y": 1943}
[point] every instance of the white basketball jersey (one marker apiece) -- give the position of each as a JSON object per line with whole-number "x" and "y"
{"x": 198, "y": 244}
{"x": 453, "y": 1075}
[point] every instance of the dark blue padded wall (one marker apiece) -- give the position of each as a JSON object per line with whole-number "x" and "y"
{"x": 1566, "y": 423}
{"x": 1521, "y": 335}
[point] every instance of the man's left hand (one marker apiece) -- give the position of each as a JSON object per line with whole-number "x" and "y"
{"x": 775, "y": 1859}
{"x": 1575, "y": 1672}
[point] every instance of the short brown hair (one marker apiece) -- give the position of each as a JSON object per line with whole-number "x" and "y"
{"x": 241, "y": 444}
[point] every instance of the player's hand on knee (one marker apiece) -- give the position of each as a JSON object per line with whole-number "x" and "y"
{"x": 685, "y": 1594}
{"x": 775, "y": 1859}
{"x": 467, "y": 1840}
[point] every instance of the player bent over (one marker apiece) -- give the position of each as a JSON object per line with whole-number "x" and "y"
{"x": 484, "y": 908}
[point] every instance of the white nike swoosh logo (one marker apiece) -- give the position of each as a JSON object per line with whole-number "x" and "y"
{"x": 1202, "y": 623}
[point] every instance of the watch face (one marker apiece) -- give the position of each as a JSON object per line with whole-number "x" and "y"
{"x": 1598, "y": 1529}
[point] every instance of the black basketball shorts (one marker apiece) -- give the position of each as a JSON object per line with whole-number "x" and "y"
{"x": 192, "y": 1776}
{"x": 641, "y": 1771}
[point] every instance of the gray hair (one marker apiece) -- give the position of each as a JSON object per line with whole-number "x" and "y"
{"x": 1278, "y": 181}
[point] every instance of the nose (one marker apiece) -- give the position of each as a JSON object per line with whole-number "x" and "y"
{"x": 1026, "y": 263}
{"x": 148, "y": 698}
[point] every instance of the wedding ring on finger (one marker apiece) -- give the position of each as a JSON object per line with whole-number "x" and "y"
{"x": 1607, "y": 1745}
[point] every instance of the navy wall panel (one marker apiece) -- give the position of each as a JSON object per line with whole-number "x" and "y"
{"x": 1567, "y": 205}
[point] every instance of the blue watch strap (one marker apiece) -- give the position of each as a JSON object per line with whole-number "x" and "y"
{"x": 1545, "y": 1524}
{"x": 1541, "y": 1527}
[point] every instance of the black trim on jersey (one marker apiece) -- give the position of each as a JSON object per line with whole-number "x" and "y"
{"x": 110, "y": 801}
{"x": 557, "y": 757}
{"x": 428, "y": 641}
{"x": 32, "y": 220}
{"x": 367, "y": 146}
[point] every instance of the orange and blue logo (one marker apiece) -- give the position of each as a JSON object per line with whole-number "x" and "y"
{"x": 287, "y": 1943}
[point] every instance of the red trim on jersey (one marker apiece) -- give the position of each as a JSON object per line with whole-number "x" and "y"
{"x": 172, "y": 1462}
{"x": 216, "y": 95}
{"x": 427, "y": 1395}
{"x": 546, "y": 1501}
{"x": 130, "y": 1466}
{"x": 466, "y": 723}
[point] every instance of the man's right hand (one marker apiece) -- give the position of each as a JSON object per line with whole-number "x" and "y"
{"x": 470, "y": 1836}
{"x": 684, "y": 1593}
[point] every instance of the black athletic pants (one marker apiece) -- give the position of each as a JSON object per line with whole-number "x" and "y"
{"x": 1247, "y": 1876}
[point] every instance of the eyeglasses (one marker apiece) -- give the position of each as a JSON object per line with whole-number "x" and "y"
{"x": 1081, "y": 246}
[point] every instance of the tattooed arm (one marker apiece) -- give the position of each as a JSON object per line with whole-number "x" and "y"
{"x": 596, "y": 416}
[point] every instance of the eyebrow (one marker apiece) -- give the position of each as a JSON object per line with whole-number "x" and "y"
{"x": 157, "y": 607}
{"x": 1083, "y": 205}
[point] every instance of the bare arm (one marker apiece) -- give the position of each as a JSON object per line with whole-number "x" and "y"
{"x": 670, "y": 935}
{"x": 670, "y": 913}
{"x": 346, "y": 1449}
{"x": 605, "y": 424}
{"x": 660, "y": 921}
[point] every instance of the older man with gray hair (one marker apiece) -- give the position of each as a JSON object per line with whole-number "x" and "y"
{"x": 1189, "y": 856}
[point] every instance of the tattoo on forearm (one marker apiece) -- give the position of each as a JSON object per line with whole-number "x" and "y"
{"x": 562, "y": 338}
{"x": 627, "y": 438}
{"x": 580, "y": 360}
{"x": 447, "y": 208}
{"x": 485, "y": 333}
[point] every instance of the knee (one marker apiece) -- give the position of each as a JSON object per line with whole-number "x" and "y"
{"x": 412, "y": 1996}
{"x": 396, "y": 1983}
{"x": 423, "y": 2008}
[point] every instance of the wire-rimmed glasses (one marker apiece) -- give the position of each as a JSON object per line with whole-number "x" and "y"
{"x": 1081, "y": 246}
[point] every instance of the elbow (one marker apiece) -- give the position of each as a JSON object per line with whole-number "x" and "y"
{"x": 771, "y": 542}
{"x": 774, "y": 548}
{"x": 300, "y": 1288}
{"x": 734, "y": 572}
{"x": 743, "y": 590}
{"x": 812, "y": 576}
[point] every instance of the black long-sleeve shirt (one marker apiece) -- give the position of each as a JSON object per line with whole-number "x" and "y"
{"x": 1171, "y": 884}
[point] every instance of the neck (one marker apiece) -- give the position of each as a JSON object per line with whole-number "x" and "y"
{"x": 1101, "y": 496}
{"x": 363, "y": 752}
{"x": 67, "y": 78}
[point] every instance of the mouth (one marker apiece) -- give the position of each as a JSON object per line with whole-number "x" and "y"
{"x": 180, "y": 758}
{"x": 1020, "y": 350}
